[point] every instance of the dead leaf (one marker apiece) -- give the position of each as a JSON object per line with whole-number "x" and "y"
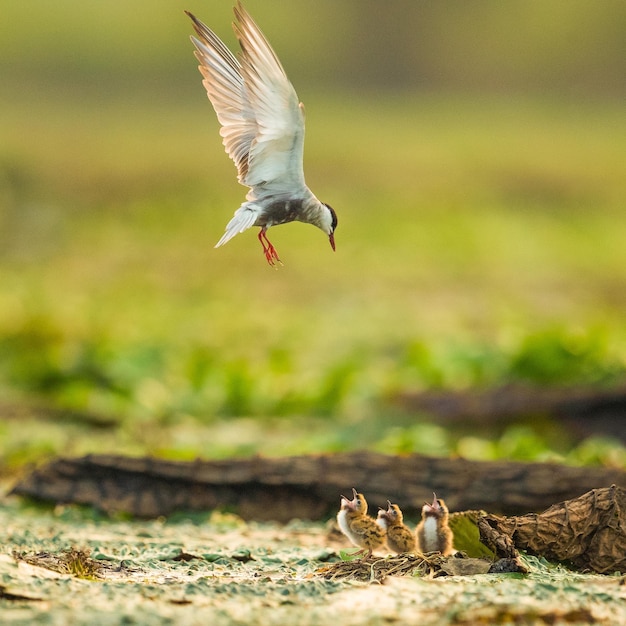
{"x": 589, "y": 532}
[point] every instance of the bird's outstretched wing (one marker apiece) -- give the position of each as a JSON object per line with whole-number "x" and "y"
{"x": 261, "y": 117}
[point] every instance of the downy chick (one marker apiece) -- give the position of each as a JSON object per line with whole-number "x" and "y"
{"x": 433, "y": 533}
{"x": 399, "y": 538}
{"x": 355, "y": 524}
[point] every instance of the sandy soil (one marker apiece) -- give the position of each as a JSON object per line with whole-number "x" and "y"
{"x": 216, "y": 569}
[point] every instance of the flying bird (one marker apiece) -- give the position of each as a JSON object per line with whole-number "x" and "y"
{"x": 262, "y": 130}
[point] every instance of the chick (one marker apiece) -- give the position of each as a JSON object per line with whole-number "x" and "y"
{"x": 433, "y": 533}
{"x": 399, "y": 538}
{"x": 355, "y": 524}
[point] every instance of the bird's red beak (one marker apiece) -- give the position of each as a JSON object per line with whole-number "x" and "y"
{"x": 331, "y": 238}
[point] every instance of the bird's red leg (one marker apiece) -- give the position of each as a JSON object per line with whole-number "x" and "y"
{"x": 268, "y": 249}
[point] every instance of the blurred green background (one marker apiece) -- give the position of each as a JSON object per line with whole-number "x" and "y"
{"x": 474, "y": 151}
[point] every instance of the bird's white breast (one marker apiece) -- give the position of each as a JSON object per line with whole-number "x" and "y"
{"x": 431, "y": 540}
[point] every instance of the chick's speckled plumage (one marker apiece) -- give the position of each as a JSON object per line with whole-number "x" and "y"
{"x": 399, "y": 537}
{"x": 357, "y": 526}
{"x": 433, "y": 532}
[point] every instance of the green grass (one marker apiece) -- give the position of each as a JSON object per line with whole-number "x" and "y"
{"x": 479, "y": 243}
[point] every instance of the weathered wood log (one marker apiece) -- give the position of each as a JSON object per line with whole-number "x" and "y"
{"x": 588, "y": 532}
{"x": 306, "y": 487}
{"x": 583, "y": 411}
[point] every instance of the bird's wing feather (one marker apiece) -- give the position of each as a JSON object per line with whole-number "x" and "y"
{"x": 225, "y": 88}
{"x": 262, "y": 120}
{"x": 276, "y": 152}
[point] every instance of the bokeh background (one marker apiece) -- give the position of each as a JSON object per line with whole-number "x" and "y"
{"x": 473, "y": 150}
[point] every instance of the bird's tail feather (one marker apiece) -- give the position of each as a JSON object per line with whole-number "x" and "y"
{"x": 245, "y": 217}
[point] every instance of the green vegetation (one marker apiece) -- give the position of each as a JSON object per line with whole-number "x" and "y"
{"x": 480, "y": 242}
{"x": 474, "y": 153}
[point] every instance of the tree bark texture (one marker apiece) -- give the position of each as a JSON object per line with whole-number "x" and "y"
{"x": 307, "y": 487}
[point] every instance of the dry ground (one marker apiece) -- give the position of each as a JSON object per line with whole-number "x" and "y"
{"x": 218, "y": 569}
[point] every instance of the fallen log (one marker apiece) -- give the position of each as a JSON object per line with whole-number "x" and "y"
{"x": 582, "y": 411}
{"x": 306, "y": 487}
